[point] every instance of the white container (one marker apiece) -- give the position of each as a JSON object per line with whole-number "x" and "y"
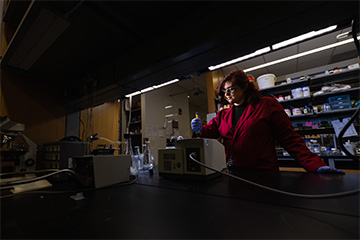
{"x": 297, "y": 92}
{"x": 296, "y": 111}
{"x": 288, "y": 112}
{"x": 306, "y": 91}
{"x": 288, "y": 97}
{"x": 266, "y": 81}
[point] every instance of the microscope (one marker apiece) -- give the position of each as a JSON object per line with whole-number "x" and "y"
{"x": 18, "y": 152}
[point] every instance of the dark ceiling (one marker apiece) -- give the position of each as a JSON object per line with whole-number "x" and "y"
{"x": 112, "y": 48}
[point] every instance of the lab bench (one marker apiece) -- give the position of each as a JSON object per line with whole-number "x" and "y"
{"x": 222, "y": 207}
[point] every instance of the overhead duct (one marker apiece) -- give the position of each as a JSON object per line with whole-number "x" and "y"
{"x": 44, "y": 31}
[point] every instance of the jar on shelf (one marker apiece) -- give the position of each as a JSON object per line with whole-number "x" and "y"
{"x": 305, "y": 91}
{"x": 305, "y": 111}
{"x": 296, "y": 111}
{"x": 315, "y": 109}
{"x": 317, "y": 149}
{"x": 297, "y": 92}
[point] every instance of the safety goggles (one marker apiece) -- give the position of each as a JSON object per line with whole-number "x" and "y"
{"x": 229, "y": 90}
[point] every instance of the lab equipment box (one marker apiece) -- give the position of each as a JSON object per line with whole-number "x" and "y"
{"x": 56, "y": 155}
{"x": 177, "y": 161}
{"x": 340, "y": 102}
{"x": 101, "y": 170}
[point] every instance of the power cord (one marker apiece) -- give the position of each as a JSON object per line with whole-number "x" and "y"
{"x": 36, "y": 178}
{"x": 333, "y": 195}
{"x": 135, "y": 177}
{"x": 28, "y": 172}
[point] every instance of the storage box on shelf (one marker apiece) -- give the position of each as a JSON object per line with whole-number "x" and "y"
{"x": 312, "y": 114}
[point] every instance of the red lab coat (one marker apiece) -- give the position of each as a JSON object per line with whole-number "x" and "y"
{"x": 253, "y": 141}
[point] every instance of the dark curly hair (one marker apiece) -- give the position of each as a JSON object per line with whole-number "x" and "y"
{"x": 252, "y": 95}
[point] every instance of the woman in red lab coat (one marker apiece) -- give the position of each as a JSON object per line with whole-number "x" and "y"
{"x": 252, "y": 125}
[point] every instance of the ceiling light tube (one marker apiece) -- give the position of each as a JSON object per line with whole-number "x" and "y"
{"x": 303, "y": 37}
{"x": 337, "y": 44}
{"x": 236, "y": 60}
{"x": 152, "y": 88}
{"x": 147, "y": 89}
{"x": 166, "y": 83}
{"x": 133, "y": 94}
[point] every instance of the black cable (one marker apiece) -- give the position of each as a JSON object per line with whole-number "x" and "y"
{"x": 354, "y": 26}
{"x": 36, "y": 178}
{"x": 342, "y": 132}
{"x": 135, "y": 178}
{"x": 333, "y": 195}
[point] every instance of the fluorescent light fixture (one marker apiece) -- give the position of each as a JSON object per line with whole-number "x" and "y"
{"x": 303, "y": 37}
{"x": 166, "y": 83}
{"x": 256, "y": 53}
{"x": 275, "y": 46}
{"x": 169, "y": 106}
{"x": 169, "y": 115}
{"x": 133, "y": 94}
{"x": 337, "y": 44}
{"x": 147, "y": 89}
{"x": 152, "y": 88}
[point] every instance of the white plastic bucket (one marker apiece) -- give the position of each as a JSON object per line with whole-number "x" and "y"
{"x": 266, "y": 80}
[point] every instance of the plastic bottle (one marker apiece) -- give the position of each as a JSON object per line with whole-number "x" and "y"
{"x": 327, "y": 152}
{"x": 148, "y": 159}
{"x": 305, "y": 109}
{"x": 306, "y": 91}
{"x": 316, "y": 149}
{"x": 313, "y": 142}
{"x": 308, "y": 144}
{"x": 326, "y": 107}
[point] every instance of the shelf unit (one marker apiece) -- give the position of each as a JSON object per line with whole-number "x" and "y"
{"x": 135, "y": 125}
{"x": 315, "y": 83}
{"x": 350, "y": 77}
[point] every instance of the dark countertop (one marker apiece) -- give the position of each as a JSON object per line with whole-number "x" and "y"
{"x": 156, "y": 207}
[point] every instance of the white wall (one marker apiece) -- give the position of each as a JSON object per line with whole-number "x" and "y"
{"x": 153, "y": 116}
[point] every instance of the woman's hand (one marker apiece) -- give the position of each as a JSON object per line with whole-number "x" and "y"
{"x": 327, "y": 169}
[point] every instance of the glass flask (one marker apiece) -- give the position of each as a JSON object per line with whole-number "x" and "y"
{"x": 139, "y": 157}
{"x": 134, "y": 169}
{"x": 148, "y": 159}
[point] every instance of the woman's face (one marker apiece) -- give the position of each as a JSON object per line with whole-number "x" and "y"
{"x": 233, "y": 93}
